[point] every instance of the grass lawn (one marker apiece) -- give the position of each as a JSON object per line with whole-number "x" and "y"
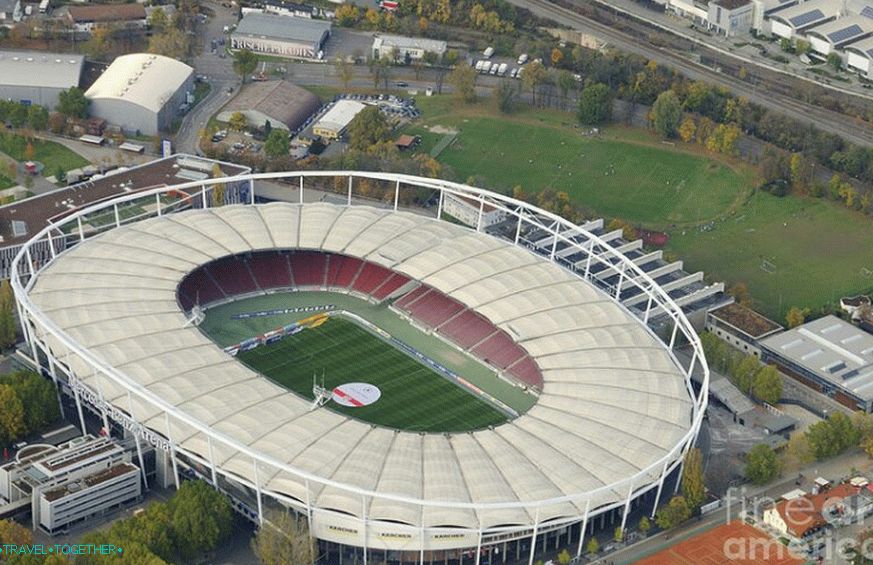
{"x": 6, "y": 182}
{"x": 49, "y": 153}
{"x": 819, "y": 251}
{"x": 413, "y": 397}
{"x": 623, "y": 173}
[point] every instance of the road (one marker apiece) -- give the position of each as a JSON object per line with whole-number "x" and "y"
{"x": 833, "y": 469}
{"x": 826, "y": 120}
{"x": 219, "y": 73}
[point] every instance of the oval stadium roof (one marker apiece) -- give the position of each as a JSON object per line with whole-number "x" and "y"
{"x": 613, "y": 400}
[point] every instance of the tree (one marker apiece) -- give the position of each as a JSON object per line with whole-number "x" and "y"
{"x": 201, "y": 516}
{"x": 13, "y": 533}
{"x": 768, "y": 385}
{"x": 268, "y": 128}
{"x": 745, "y": 373}
{"x": 72, "y": 103}
{"x": 762, "y": 465}
{"x": 11, "y": 415}
{"x": 244, "y": 63}
{"x": 38, "y": 399}
{"x": 644, "y": 525}
{"x": 277, "y": 144}
{"x": 564, "y": 557}
{"x": 835, "y": 61}
{"x": 693, "y": 489}
{"x": 667, "y": 114}
{"x": 463, "y": 81}
{"x": 7, "y": 316}
{"x": 534, "y": 75}
{"x": 237, "y": 121}
{"x": 282, "y": 539}
{"x": 595, "y": 105}
{"x": 832, "y": 436}
{"x": 153, "y": 529}
{"x": 798, "y": 453}
{"x": 593, "y": 546}
{"x": 796, "y": 316}
{"x": 218, "y": 189}
{"x": 566, "y": 82}
{"x": 676, "y": 512}
{"x": 505, "y": 97}
{"x": 172, "y": 42}
{"x": 37, "y": 117}
{"x": 344, "y": 71}
{"x": 687, "y": 129}
{"x": 557, "y": 57}
{"x": 158, "y": 19}
{"x": 618, "y": 534}
{"x": 368, "y": 128}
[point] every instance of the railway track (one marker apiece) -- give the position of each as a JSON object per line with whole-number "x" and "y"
{"x": 821, "y": 118}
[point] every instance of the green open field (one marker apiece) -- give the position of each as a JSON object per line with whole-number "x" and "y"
{"x": 621, "y": 173}
{"x": 414, "y": 397}
{"x": 821, "y": 251}
{"x": 49, "y": 153}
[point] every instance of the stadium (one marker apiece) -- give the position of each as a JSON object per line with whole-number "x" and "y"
{"x": 418, "y": 389}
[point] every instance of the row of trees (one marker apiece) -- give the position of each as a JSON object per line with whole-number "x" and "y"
{"x": 761, "y": 382}
{"x": 194, "y": 521}
{"x": 683, "y": 506}
{"x": 28, "y": 404}
{"x": 822, "y": 440}
{"x": 491, "y": 16}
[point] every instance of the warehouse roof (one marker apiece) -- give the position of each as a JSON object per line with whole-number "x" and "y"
{"x": 40, "y": 70}
{"x": 277, "y": 100}
{"x": 402, "y": 42}
{"x": 141, "y": 78}
{"x": 107, "y": 13}
{"x": 287, "y": 28}
{"x": 831, "y": 349}
{"x": 844, "y": 30}
{"x": 614, "y": 400}
{"x": 810, "y": 13}
{"x": 863, "y": 47}
{"x": 340, "y": 116}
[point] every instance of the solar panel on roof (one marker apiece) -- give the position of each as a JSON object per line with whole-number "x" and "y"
{"x": 846, "y": 33}
{"x": 867, "y": 12}
{"x": 806, "y": 18}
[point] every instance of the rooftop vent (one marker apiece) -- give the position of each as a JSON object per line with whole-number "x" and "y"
{"x": 19, "y": 228}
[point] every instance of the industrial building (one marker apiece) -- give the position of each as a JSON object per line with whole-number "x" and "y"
{"x": 828, "y": 355}
{"x": 86, "y": 18}
{"x": 282, "y": 36}
{"x": 398, "y": 48}
{"x": 285, "y": 105}
{"x": 141, "y": 92}
{"x": 332, "y": 125}
{"x": 740, "y": 327}
{"x": 70, "y": 483}
{"x": 38, "y": 78}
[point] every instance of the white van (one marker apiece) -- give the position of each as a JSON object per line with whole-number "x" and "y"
{"x": 522, "y": 59}
{"x": 488, "y": 53}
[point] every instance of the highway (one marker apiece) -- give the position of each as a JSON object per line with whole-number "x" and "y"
{"x": 826, "y": 120}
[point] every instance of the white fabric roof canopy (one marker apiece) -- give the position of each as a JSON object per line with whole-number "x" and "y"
{"x": 613, "y": 401}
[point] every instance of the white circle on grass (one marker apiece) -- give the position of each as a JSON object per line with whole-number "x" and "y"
{"x": 356, "y": 395}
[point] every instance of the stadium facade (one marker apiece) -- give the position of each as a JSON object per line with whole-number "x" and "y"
{"x": 107, "y": 319}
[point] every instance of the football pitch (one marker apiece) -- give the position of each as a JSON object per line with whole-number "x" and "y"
{"x": 413, "y": 396}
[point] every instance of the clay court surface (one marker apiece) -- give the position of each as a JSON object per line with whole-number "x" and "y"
{"x": 731, "y": 544}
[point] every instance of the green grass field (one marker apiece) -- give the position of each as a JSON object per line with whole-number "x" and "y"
{"x": 414, "y": 397}
{"x": 49, "y": 153}
{"x": 821, "y": 250}
{"x": 623, "y": 173}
